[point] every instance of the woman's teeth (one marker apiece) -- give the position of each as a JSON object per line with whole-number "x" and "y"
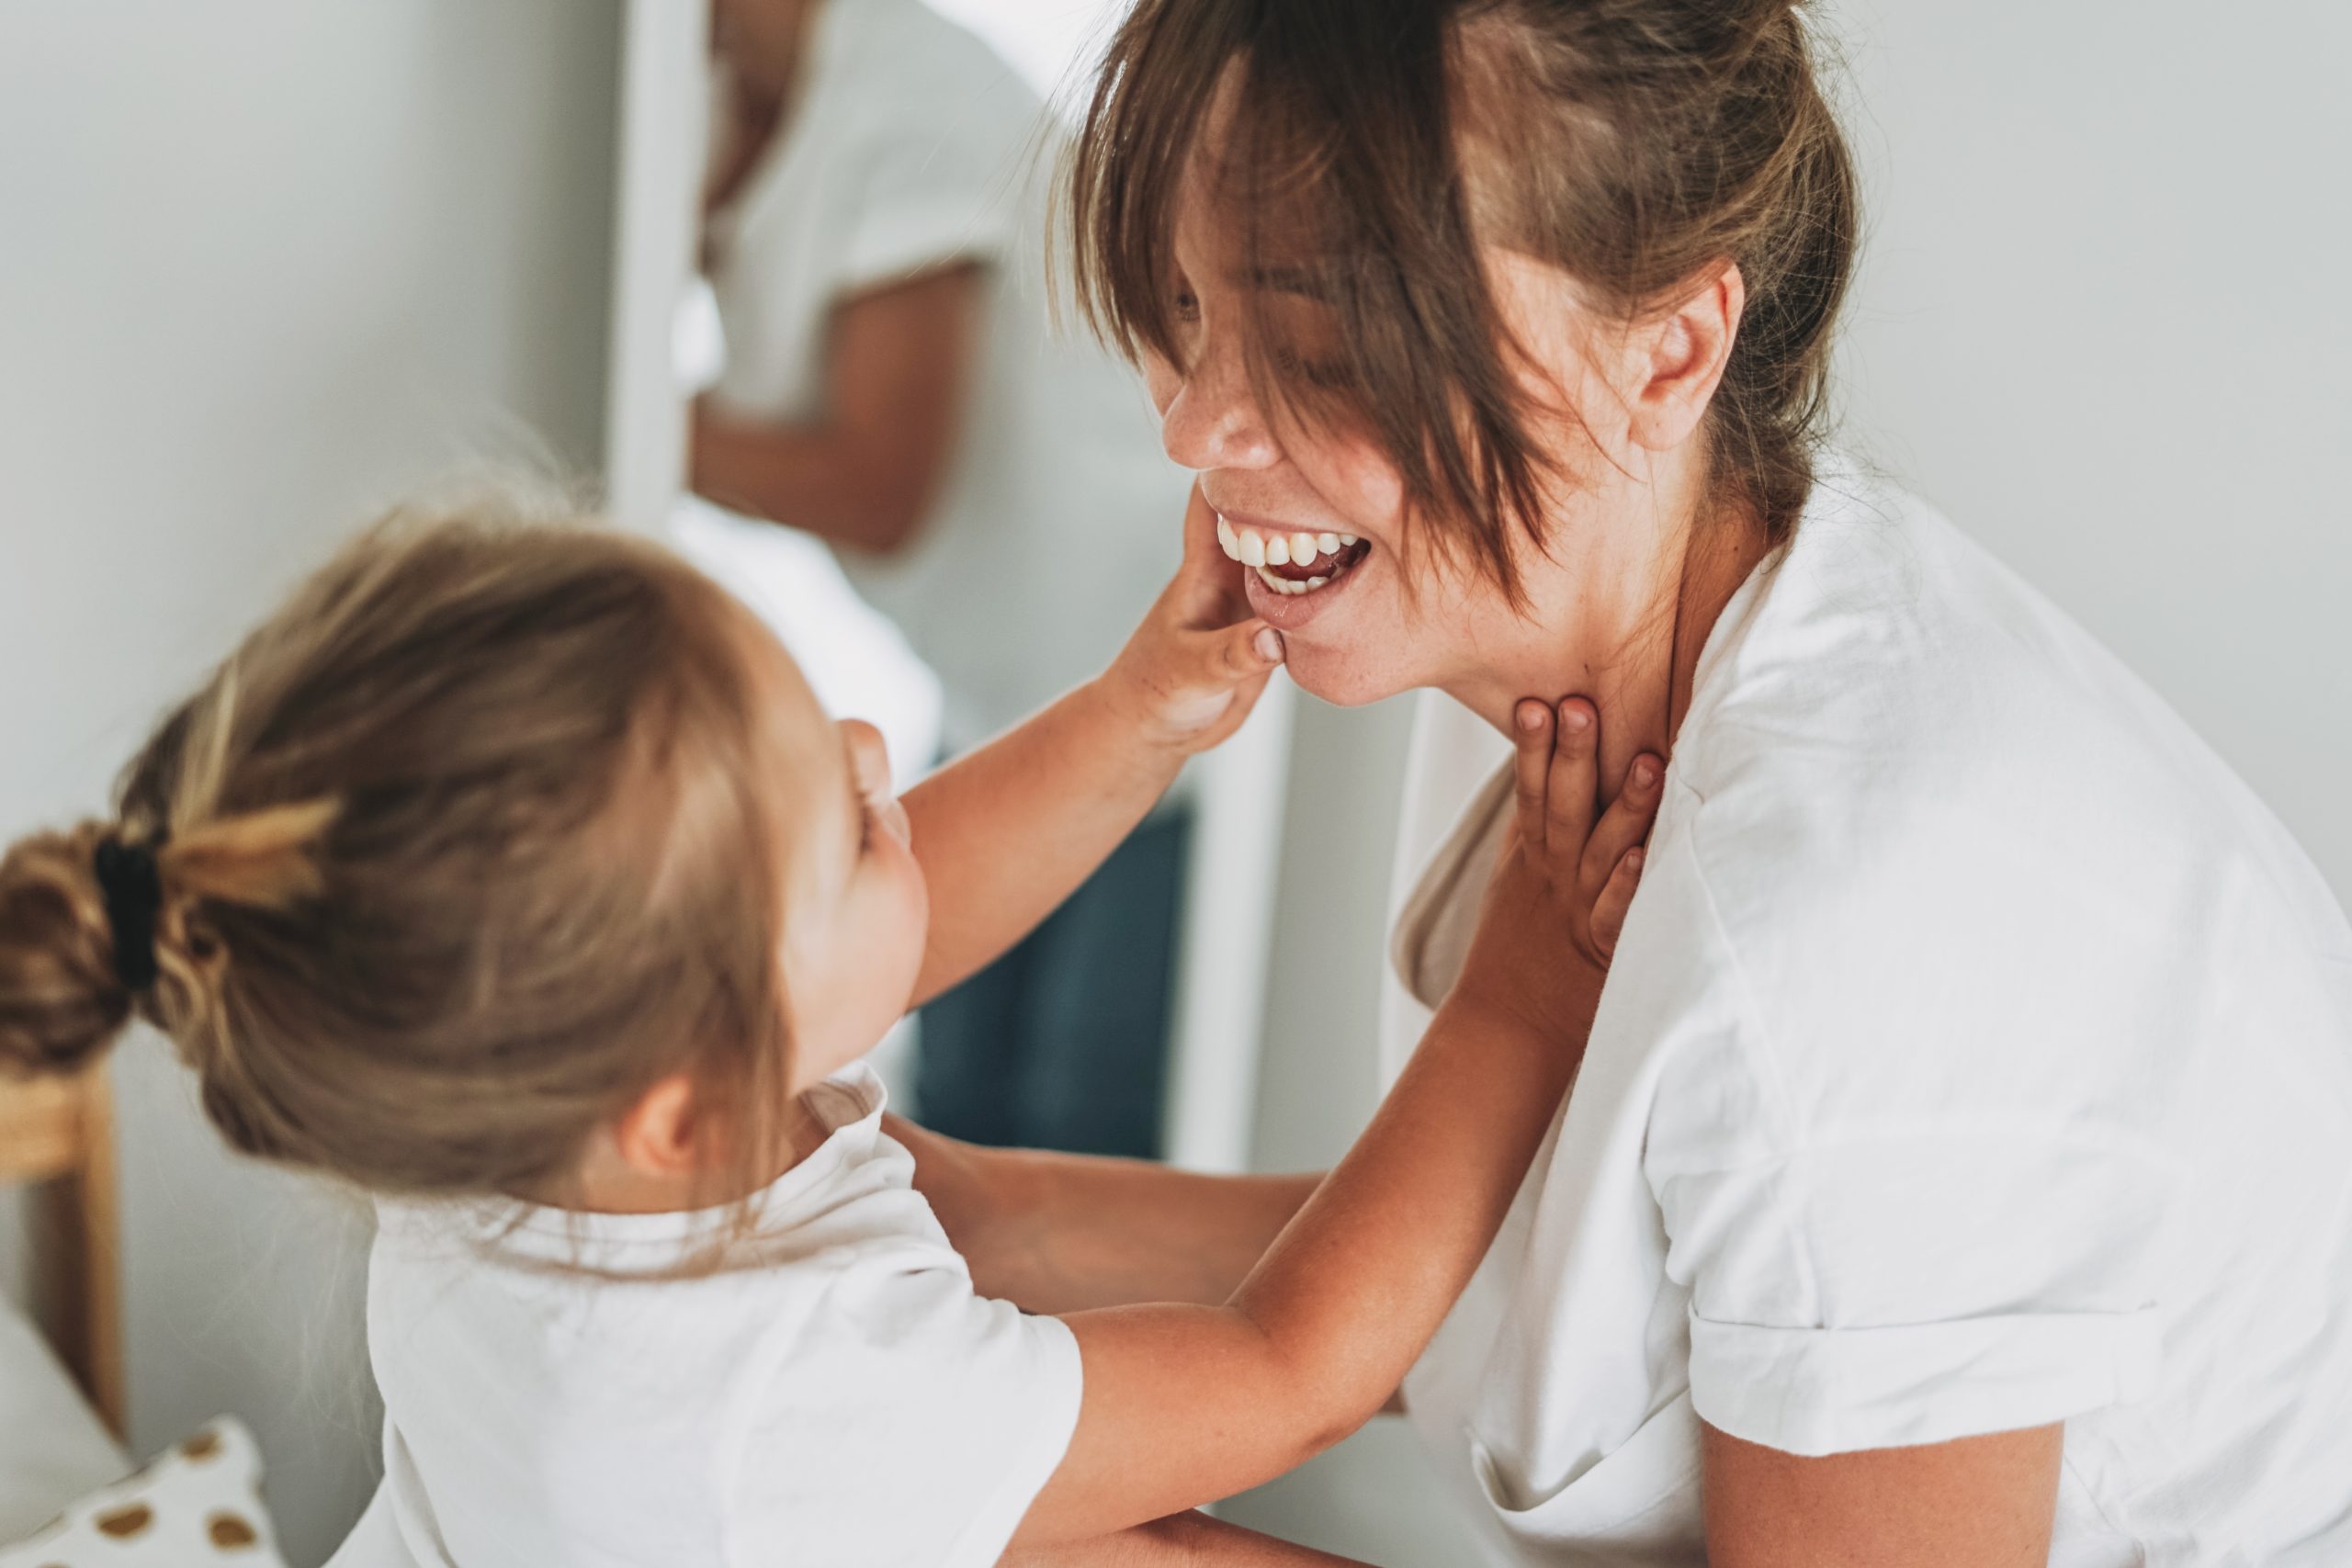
{"x": 1324, "y": 556}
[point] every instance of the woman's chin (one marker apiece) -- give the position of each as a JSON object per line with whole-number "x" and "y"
{"x": 1338, "y": 674}
{"x": 1340, "y": 646}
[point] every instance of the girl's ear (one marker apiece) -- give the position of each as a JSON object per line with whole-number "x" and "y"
{"x": 1683, "y": 354}
{"x": 662, "y": 1134}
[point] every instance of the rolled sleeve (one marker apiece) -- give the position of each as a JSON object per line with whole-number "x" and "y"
{"x": 1824, "y": 1391}
{"x": 1916, "y": 1287}
{"x": 929, "y": 197}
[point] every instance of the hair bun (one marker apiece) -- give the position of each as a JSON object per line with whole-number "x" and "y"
{"x": 61, "y": 1000}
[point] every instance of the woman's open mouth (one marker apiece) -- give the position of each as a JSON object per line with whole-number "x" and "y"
{"x": 1292, "y": 563}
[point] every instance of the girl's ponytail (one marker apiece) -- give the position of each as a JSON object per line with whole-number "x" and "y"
{"x": 103, "y": 923}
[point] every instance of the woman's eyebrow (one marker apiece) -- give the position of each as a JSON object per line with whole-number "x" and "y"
{"x": 1308, "y": 282}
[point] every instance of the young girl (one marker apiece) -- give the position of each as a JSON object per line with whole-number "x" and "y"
{"x": 512, "y": 873}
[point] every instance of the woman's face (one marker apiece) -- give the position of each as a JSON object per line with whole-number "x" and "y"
{"x": 1365, "y": 620}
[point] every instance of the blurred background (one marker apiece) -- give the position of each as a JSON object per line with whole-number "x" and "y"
{"x": 265, "y": 264}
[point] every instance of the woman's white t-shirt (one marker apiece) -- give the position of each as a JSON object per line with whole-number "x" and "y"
{"x": 834, "y": 1392}
{"x": 911, "y": 146}
{"x": 1978, "y": 1056}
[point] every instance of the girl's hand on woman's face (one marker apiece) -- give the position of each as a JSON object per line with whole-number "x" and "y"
{"x": 1567, "y": 876}
{"x": 1193, "y": 669}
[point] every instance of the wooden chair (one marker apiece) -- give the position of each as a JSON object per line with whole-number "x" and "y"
{"x": 58, "y": 1134}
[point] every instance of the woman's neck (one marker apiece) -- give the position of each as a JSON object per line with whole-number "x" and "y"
{"x": 1622, "y": 617}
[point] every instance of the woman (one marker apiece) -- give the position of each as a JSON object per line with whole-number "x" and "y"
{"x": 1892, "y": 1220}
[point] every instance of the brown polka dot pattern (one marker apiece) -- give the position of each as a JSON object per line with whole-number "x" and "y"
{"x": 200, "y": 1502}
{"x": 230, "y": 1532}
{"x": 123, "y": 1524}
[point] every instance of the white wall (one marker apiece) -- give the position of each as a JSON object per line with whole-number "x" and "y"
{"x": 2105, "y": 325}
{"x": 2102, "y": 323}
{"x": 262, "y": 264}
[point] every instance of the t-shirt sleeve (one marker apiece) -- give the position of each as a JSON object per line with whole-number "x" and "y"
{"x": 1908, "y": 1284}
{"x": 934, "y": 187}
{"x": 911, "y": 1424}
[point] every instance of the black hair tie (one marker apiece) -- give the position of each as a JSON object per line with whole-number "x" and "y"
{"x": 132, "y": 886}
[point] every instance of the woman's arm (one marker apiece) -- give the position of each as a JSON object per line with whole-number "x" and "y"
{"x": 1978, "y": 1502}
{"x": 1185, "y": 1540}
{"x": 1184, "y": 1404}
{"x": 898, "y": 367}
{"x": 1008, "y": 833}
{"x": 1056, "y": 1233}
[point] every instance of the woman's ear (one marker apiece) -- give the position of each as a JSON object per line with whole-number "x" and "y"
{"x": 1680, "y": 360}
{"x": 662, "y": 1134}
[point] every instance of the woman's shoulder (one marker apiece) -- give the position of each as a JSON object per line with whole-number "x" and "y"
{"x": 1885, "y": 671}
{"x": 1903, "y": 761}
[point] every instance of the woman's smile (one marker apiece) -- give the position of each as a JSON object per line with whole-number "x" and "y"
{"x": 1292, "y": 572}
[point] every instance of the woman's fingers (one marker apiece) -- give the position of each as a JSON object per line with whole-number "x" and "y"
{"x": 1626, "y": 822}
{"x": 1616, "y": 897}
{"x": 1569, "y": 794}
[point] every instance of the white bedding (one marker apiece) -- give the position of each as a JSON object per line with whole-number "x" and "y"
{"x": 52, "y": 1446}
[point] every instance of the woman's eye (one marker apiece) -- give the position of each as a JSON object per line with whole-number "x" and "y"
{"x": 1325, "y": 373}
{"x": 1186, "y": 305}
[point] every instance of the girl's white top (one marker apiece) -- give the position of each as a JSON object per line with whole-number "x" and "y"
{"x": 1978, "y": 1056}
{"x": 835, "y": 1393}
{"x": 913, "y": 146}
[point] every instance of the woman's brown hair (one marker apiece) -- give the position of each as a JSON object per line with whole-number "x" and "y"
{"x": 459, "y": 853}
{"x": 1373, "y": 145}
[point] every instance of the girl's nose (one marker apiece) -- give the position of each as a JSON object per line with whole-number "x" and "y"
{"x": 869, "y": 760}
{"x": 1214, "y": 419}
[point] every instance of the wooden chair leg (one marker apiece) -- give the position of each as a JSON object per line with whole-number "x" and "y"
{"x": 77, "y": 1218}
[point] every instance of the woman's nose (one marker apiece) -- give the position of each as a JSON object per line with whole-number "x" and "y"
{"x": 1214, "y": 419}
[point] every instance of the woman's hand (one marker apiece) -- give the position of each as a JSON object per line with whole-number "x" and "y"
{"x": 1193, "y": 669}
{"x": 1567, "y": 877}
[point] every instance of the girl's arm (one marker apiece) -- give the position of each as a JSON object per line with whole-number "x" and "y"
{"x": 1057, "y": 1233}
{"x": 1008, "y": 833}
{"x": 1184, "y": 1404}
{"x": 1184, "y": 1540}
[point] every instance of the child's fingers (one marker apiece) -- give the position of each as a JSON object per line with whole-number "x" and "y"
{"x": 1616, "y": 897}
{"x": 1246, "y": 651}
{"x": 1200, "y": 529}
{"x": 1531, "y": 766}
{"x": 1574, "y": 784}
{"x": 1626, "y": 822}
{"x": 1205, "y": 562}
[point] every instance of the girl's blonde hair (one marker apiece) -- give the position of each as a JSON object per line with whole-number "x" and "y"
{"x": 459, "y": 853}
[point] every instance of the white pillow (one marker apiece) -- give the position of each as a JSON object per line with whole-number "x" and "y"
{"x": 198, "y": 1503}
{"x": 52, "y": 1449}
